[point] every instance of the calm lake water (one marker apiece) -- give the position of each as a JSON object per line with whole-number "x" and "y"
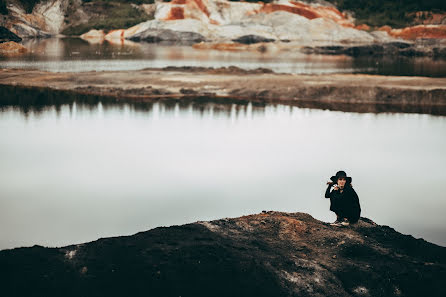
{"x": 74, "y": 55}
{"x": 74, "y": 173}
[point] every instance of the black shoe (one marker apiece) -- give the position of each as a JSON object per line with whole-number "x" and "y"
{"x": 338, "y": 222}
{"x": 345, "y": 222}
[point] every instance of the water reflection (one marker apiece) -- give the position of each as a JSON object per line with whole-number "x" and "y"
{"x": 37, "y": 99}
{"x": 76, "y": 55}
{"x": 77, "y": 171}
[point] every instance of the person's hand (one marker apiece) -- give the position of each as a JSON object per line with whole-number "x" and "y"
{"x": 336, "y": 188}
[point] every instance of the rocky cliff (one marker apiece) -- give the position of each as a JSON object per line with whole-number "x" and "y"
{"x": 267, "y": 254}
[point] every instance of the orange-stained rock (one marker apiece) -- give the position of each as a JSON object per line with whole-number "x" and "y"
{"x": 364, "y": 27}
{"x": 271, "y": 7}
{"x": 420, "y": 31}
{"x": 385, "y": 29}
{"x": 208, "y": 11}
{"x": 182, "y": 9}
{"x": 308, "y": 11}
{"x": 12, "y": 48}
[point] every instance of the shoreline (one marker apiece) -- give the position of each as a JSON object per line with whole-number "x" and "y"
{"x": 343, "y": 92}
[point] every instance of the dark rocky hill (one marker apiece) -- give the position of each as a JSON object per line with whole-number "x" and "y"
{"x": 267, "y": 254}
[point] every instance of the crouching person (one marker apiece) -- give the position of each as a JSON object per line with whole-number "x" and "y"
{"x": 344, "y": 201}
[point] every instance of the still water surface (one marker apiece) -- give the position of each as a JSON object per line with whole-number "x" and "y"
{"x": 76, "y": 55}
{"x": 75, "y": 173}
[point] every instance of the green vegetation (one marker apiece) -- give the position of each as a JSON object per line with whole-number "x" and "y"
{"x": 115, "y": 16}
{"x": 137, "y": 2}
{"x": 394, "y": 13}
{"x": 3, "y": 9}
{"x": 28, "y": 5}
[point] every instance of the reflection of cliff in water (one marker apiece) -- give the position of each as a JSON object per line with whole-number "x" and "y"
{"x": 38, "y": 100}
{"x": 400, "y": 66}
{"x": 77, "y": 55}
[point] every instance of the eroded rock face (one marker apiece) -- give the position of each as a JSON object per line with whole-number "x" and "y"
{"x": 46, "y": 20}
{"x": 222, "y": 21}
{"x": 267, "y": 254}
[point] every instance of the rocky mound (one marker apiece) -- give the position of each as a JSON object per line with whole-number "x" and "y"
{"x": 267, "y": 254}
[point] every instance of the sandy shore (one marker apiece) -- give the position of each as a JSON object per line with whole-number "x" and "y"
{"x": 347, "y": 92}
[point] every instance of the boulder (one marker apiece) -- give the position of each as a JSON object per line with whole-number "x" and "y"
{"x": 6, "y": 35}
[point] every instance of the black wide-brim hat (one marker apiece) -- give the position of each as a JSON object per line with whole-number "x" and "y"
{"x": 341, "y": 174}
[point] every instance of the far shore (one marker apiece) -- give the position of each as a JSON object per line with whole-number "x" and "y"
{"x": 345, "y": 92}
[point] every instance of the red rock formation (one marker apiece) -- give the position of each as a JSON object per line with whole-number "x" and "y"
{"x": 201, "y": 9}
{"x": 415, "y": 32}
{"x": 271, "y": 7}
{"x": 176, "y": 13}
{"x": 364, "y": 27}
{"x": 308, "y": 11}
{"x": 181, "y": 9}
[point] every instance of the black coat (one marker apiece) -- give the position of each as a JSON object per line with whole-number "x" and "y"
{"x": 345, "y": 204}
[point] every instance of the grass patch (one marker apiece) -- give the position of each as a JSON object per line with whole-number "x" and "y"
{"x": 113, "y": 15}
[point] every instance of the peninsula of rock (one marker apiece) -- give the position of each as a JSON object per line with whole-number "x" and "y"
{"x": 345, "y": 92}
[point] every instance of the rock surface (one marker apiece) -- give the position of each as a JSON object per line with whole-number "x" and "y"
{"x": 346, "y": 92}
{"x": 266, "y": 254}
